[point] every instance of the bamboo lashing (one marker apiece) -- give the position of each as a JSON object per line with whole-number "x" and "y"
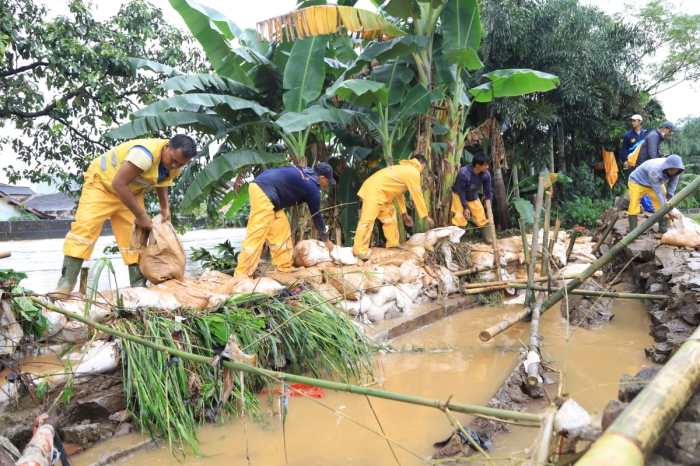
{"x": 603, "y": 260}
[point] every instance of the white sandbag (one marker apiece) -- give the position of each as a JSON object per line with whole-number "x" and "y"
{"x": 310, "y": 252}
{"x": 349, "y": 306}
{"x": 419, "y": 251}
{"x": 135, "y": 299}
{"x": 407, "y": 296}
{"x": 576, "y": 269}
{"x": 450, "y": 283}
{"x": 343, "y": 256}
{"x": 392, "y": 274}
{"x": 410, "y": 272}
{"x": 96, "y": 357}
{"x": 260, "y": 285}
{"x": 328, "y": 292}
{"x": 571, "y": 417}
{"x": 683, "y": 233}
{"x": 378, "y": 313}
{"x": 416, "y": 240}
{"x": 383, "y": 295}
{"x": 8, "y": 392}
{"x": 453, "y": 233}
{"x": 72, "y": 332}
{"x": 11, "y": 332}
{"x": 99, "y": 311}
{"x": 365, "y": 304}
{"x": 54, "y": 323}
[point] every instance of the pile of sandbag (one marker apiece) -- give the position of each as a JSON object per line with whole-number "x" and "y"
{"x": 683, "y": 232}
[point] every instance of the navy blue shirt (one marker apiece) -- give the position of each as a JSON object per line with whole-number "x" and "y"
{"x": 651, "y": 148}
{"x": 288, "y": 186}
{"x": 630, "y": 140}
{"x": 468, "y": 184}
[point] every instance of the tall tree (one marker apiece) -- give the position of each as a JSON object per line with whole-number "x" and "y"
{"x": 64, "y": 80}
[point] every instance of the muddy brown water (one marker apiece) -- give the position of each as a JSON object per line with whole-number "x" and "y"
{"x": 335, "y": 430}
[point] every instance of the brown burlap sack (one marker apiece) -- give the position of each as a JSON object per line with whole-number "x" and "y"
{"x": 161, "y": 254}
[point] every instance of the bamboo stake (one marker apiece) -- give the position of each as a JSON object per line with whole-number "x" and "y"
{"x": 494, "y": 240}
{"x": 535, "y": 239}
{"x": 545, "y": 234}
{"x": 555, "y": 236}
{"x": 523, "y": 238}
{"x": 462, "y": 273}
{"x": 533, "y": 369}
{"x": 606, "y": 233}
{"x": 574, "y": 234}
{"x": 476, "y": 410}
{"x": 602, "y": 260}
{"x": 542, "y": 453}
{"x": 516, "y": 181}
{"x": 637, "y": 430}
{"x": 603, "y": 294}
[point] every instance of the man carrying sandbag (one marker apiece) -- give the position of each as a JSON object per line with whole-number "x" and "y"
{"x": 378, "y": 194}
{"x": 271, "y": 192}
{"x": 657, "y": 178}
{"x": 114, "y": 188}
{"x": 465, "y": 194}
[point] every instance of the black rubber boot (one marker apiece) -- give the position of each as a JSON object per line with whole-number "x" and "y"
{"x": 663, "y": 225}
{"x": 486, "y": 233}
{"x": 136, "y": 278}
{"x": 69, "y": 275}
{"x": 633, "y": 222}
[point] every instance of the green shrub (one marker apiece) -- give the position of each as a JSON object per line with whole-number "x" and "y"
{"x": 583, "y": 211}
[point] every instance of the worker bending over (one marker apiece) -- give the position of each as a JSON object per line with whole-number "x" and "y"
{"x": 650, "y": 146}
{"x": 114, "y": 187}
{"x": 271, "y": 192}
{"x": 465, "y": 193}
{"x": 658, "y": 178}
{"x": 378, "y": 194}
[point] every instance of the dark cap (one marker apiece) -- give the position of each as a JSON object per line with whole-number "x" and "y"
{"x": 323, "y": 169}
{"x": 668, "y": 125}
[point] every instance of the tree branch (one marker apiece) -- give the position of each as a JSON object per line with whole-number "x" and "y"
{"x": 79, "y": 133}
{"x": 22, "y": 69}
{"x": 46, "y": 111}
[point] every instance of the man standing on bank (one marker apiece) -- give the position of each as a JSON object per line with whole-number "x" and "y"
{"x": 657, "y": 178}
{"x": 378, "y": 194}
{"x": 114, "y": 187}
{"x": 271, "y": 192}
{"x": 465, "y": 194}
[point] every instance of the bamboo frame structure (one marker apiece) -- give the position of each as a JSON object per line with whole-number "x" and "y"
{"x": 494, "y": 240}
{"x": 476, "y": 410}
{"x": 637, "y": 430}
{"x": 603, "y": 260}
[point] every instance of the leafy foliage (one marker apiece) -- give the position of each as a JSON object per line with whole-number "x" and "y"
{"x": 223, "y": 259}
{"x": 63, "y": 81}
{"x": 583, "y": 211}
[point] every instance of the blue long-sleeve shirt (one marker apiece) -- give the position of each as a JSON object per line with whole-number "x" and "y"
{"x": 630, "y": 140}
{"x": 288, "y": 186}
{"x": 468, "y": 184}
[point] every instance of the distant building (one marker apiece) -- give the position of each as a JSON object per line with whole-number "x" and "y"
{"x": 57, "y": 205}
{"x": 18, "y": 193}
{"x": 12, "y": 209}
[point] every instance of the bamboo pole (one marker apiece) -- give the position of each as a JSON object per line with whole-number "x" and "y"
{"x": 542, "y": 452}
{"x": 285, "y": 377}
{"x": 494, "y": 240}
{"x": 574, "y": 234}
{"x": 637, "y": 430}
{"x": 555, "y": 236}
{"x": 603, "y": 294}
{"x": 467, "y": 286}
{"x": 606, "y": 233}
{"x": 545, "y": 234}
{"x": 602, "y": 260}
{"x": 462, "y": 273}
{"x": 523, "y": 238}
{"x": 516, "y": 181}
{"x": 535, "y": 239}
{"x": 533, "y": 369}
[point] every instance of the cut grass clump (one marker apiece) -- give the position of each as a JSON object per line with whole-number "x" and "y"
{"x": 301, "y": 334}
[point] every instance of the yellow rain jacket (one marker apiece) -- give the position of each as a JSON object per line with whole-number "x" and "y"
{"x": 99, "y": 202}
{"x": 378, "y": 194}
{"x": 610, "y": 164}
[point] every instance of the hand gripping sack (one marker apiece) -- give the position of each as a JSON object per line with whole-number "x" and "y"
{"x": 162, "y": 257}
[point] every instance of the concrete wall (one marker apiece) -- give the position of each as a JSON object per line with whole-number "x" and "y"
{"x": 39, "y": 229}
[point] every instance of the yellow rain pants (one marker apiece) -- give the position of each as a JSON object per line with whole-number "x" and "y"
{"x": 96, "y": 205}
{"x": 475, "y": 207}
{"x": 371, "y": 211}
{"x": 637, "y": 191}
{"x": 265, "y": 224}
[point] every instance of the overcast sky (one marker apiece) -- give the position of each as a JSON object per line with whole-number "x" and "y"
{"x": 678, "y": 102}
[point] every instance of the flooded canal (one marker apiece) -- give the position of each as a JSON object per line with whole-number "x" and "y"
{"x": 442, "y": 360}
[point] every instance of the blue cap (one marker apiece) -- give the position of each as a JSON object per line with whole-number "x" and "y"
{"x": 324, "y": 169}
{"x": 668, "y": 125}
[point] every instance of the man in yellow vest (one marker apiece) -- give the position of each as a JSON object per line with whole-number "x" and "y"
{"x": 378, "y": 194}
{"x": 114, "y": 188}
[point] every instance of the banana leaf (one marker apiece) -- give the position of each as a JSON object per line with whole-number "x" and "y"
{"x": 461, "y": 23}
{"x": 197, "y": 102}
{"x": 154, "y": 124}
{"x": 221, "y": 169}
{"x": 513, "y": 83}
{"x": 304, "y": 73}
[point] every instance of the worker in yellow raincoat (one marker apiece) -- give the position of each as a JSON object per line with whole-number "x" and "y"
{"x": 271, "y": 192}
{"x": 378, "y": 194}
{"x": 465, "y": 194}
{"x": 114, "y": 187}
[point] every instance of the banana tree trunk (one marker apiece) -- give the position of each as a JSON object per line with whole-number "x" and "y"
{"x": 562, "y": 147}
{"x": 499, "y": 194}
